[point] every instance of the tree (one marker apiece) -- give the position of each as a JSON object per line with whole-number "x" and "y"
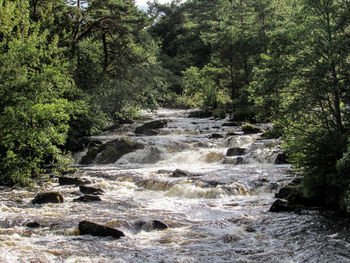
{"x": 313, "y": 97}
{"x": 36, "y": 90}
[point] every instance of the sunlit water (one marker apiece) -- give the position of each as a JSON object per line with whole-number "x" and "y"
{"x": 220, "y": 214}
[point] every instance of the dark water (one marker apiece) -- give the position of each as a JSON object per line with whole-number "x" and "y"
{"x": 218, "y": 215}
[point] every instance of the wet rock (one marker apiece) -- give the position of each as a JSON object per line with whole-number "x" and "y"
{"x": 150, "y": 127}
{"x": 250, "y": 229}
{"x": 48, "y": 197}
{"x": 151, "y": 154}
{"x": 233, "y": 134}
{"x": 282, "y": 206}
{"x": 216, "y": 136}
{"x": 231, "y": 124}
{"x": 234, "y": 160}
{"x": 90, "y": 190}
{"x": 150, "y": 132}
{"x": 273, "y": 186}
{"x": 199, "y": 114}
{"x": 110, "y": 152}
{"x": 250, "y": 129}
{"x": 180, "y": 173}
{"x": 235, "y": 151}
{"x": 72, "y": 181}
{"x": 259, "y": 183}
{"x": 230, "y": 238}
{"x": 294, "y": 194}
{"x": 95, "y": 229}
{"x": 155, "y": 184}
{"x": 281, "y": 158}
{"x": 88, "y": 198}
{"x": 33, "y": 224}
{"x": 150, "y": 225}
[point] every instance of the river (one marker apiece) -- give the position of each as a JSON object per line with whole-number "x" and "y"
{"x": 219, "y": 213}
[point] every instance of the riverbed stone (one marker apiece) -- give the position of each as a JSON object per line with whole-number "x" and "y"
{"x": 88, "y": 198}
{"x": 235, "y": 151}
{"x": 90, "y": 190}
{"x": 150, "y": 127}
{"x": 48, "y": 197}
{"x": 95, "y": 229}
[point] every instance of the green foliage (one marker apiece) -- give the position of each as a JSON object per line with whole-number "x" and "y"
{"x": 202, "y": 89}
{"x": 117, "y": 66}
{"x": 35, "y": 87}
{"x": 302, "y": 83}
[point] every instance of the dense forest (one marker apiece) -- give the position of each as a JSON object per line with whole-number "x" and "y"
{"x": 69, "y": 70}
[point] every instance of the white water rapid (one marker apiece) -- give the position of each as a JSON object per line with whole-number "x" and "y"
{"x": 217, "y": 213}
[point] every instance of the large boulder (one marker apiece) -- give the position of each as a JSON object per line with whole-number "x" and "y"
{"x": 236, "y": 151}
{"x": 110, "y": 152}
{"x": 149, "y": 128}
{"x": 95, "y": 229}
{"x": 48, "y": 197}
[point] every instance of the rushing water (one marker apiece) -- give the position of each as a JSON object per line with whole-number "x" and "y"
{"x": 220, "y": 214}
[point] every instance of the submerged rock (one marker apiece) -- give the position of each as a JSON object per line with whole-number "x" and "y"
{"x": 88, "y": 198}
{"x": 149, "y": 128}
{"x": 48, "y": 197}
{"x": 235, "y": 151}
{"x": 150, "y": 225}
{"x": 110, "y": 152}
{"x": 90, "y": 190}
{"x": 95, "y": 229}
